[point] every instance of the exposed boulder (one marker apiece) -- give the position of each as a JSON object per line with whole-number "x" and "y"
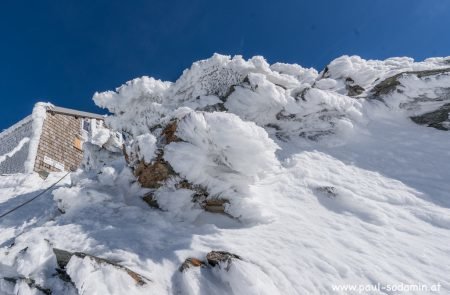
{"x": 216, "y": 258}
{"x": 153, "y": 175}
{"x": 149, "y": 198}
{"x": 63, "y": 257}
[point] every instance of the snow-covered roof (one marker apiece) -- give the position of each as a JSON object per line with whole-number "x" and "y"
{"x": 66, "y": 111}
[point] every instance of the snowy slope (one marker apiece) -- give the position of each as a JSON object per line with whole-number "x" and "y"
{"x": 325, "y": 180}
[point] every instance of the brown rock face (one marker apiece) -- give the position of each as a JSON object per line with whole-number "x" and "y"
{"x": 153, "y": 175}
{"x": 169, "y": 132}
{"x": 191, "y": 262}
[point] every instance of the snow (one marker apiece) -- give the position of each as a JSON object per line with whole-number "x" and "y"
{"x": 419, "y": 96}
{"x": 38, "y": 116}
{"x": 324, "y": 189}
{"x": 366, "y": 73}
{"x": 224, "y": 154}
{"x": 260, "y": 103}
{"x": 146, "y": 147}
{"x": 88, "y": 275}
{"x": 14, "y": 146}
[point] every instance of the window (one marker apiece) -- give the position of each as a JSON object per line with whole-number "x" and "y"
{"x": 86, "y": 125}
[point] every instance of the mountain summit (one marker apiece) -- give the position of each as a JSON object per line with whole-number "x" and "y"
{"x": 243, "y": 177}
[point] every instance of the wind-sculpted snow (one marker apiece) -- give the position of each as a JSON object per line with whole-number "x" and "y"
{"x": 367, "y": 73}
{"x": 316, "y": 181}
{"x": 293, "y": 104}
{"x": 251, "y": 89}
{"x": 224, "y": 154}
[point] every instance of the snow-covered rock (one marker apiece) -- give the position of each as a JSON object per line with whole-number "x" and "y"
{"x": 314, "y": 181}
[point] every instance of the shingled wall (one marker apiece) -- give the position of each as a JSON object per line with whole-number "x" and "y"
{"x": 57, "y": 142}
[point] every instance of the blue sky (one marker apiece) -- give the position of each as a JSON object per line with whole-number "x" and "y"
{"x": 64, "y": 51}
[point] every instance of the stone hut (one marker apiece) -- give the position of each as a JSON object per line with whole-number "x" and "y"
{"x": 49, "y": 140}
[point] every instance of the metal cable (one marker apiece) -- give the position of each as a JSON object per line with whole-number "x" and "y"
{"x": 35, "y": 197}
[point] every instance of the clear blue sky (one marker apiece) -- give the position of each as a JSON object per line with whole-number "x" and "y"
{"x": 64, "y": 51}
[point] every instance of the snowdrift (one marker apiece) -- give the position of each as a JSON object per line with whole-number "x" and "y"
{"x": 243, "y": 177}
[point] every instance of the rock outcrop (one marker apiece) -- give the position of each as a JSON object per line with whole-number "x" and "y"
{"x": 216, "y": 258}
{"x": 213, "y": 259}
{"x": 63, "y": 258}
{"x": 153, "y": 175}
{"x": 390, "y": 84}
{"x": 438, "y": 119}
{"x": 411, "y": 90}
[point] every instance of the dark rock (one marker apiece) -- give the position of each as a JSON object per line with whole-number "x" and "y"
{"x": 283, "y": 115}
{"x": 215, "y": 258}
{"x": 63, "y": 257}
{"x": 315, "y": 135}
{"x": 301, "y": 94}
{"x": 150, "y": 200}
{"x": 274, "y": 126}
{"x": 390, "y": 84}
{"x": 30, "y": 282}
{"x": 62, "y": 274}
{"x": 386, "y": 86}
{"x": 349, "y": 81}
{"x": 191, "y": 262}
{"x": 435, "y": 119}
{"x": 43, "y": 174}
{"x": 354, "y": 90}
{"x": 230, "y": 90}
{"x": 329, "y": 191}
{"x": 218, "y": 107}
{"x": 325, "y": 73}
